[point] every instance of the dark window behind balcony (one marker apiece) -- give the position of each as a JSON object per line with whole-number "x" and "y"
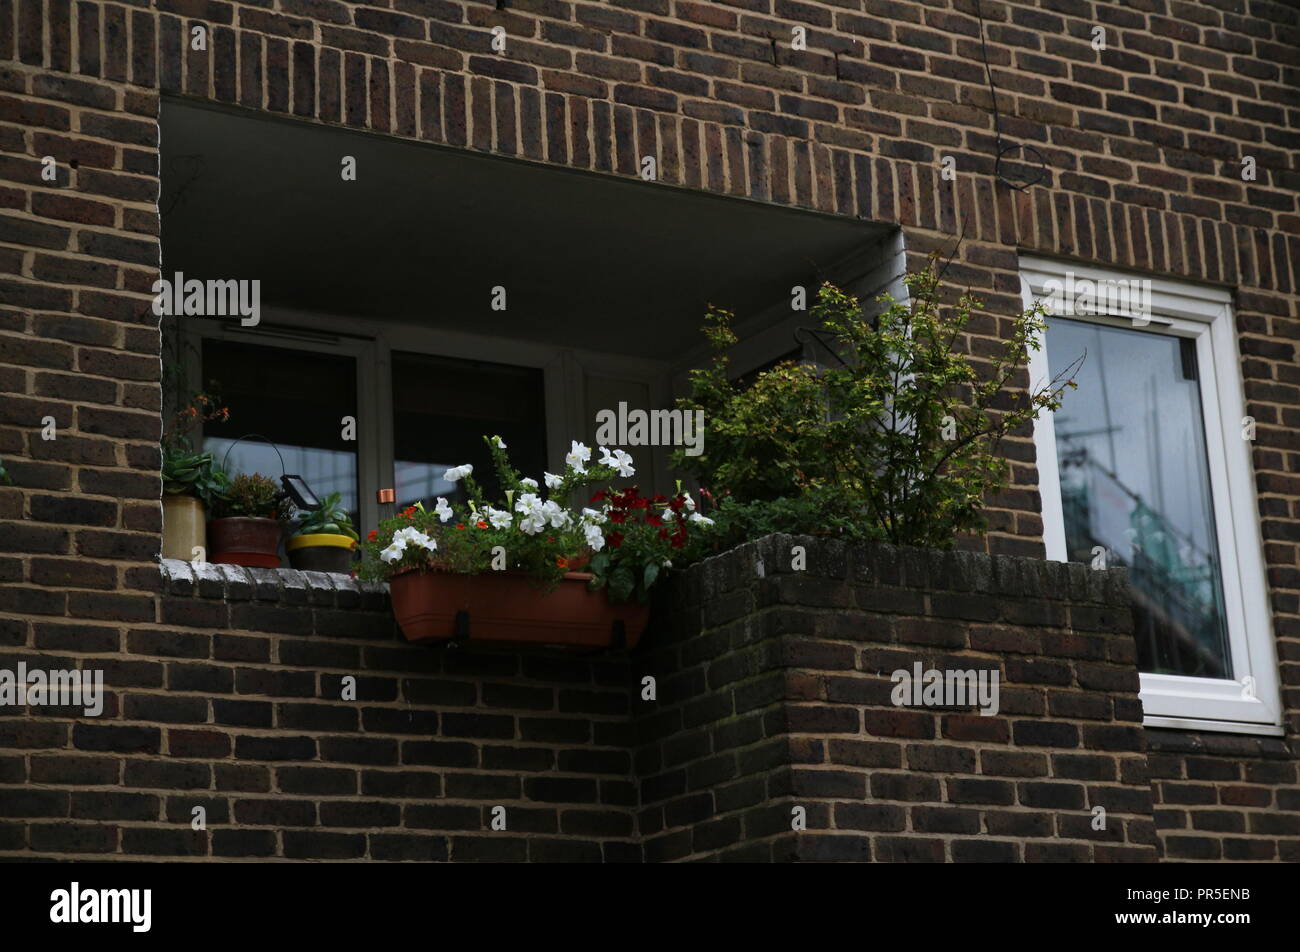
{"x": 442, "y": 409}
{"x": 295, "y": 398}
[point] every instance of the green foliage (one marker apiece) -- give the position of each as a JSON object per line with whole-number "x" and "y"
{"x": 328, "y": 517}
{"x": 186, "y": 473}
{"x": 252, "y": 496}
{"x": 897, "y": 440}
{"x": 645, "y": 535}
{"x": 625, "y": 543}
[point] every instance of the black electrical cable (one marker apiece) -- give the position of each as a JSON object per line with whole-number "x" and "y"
{"x": 1002, "y": 149}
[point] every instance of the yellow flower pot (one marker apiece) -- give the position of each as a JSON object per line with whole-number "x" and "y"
{"x": 184, "y": 522}
{"x": 320, "y": 552}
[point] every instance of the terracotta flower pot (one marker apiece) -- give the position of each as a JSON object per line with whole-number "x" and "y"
{"x": 183, "y": 527}
{"x": 509, "y": 607}
{"x": 240, "y": 540}
{"x": 320, "y": 552}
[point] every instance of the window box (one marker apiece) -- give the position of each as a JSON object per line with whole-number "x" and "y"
{"x": 508, "y": 607}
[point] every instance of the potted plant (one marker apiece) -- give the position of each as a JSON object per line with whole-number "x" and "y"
{"x": 529, "y": 568}
{"x": 192, "y": 481}
{"x": 323, "y": 538}
{"x": 247, "y": 528}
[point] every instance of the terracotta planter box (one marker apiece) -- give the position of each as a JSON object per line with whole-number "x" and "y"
{"x": 508, "y": 607}
{"x": 239, "y": 540}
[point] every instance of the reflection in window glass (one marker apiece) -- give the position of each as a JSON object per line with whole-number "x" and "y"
{"x": 1135, "y": 480}
{"x": 442, "y": 409}
{"x": 297, "y": 399}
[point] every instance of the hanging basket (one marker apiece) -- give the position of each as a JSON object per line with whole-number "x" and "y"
{"x": 509, "y": 608}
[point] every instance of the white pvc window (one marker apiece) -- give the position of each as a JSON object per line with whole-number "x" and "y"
{"x": 1147, "y": 465}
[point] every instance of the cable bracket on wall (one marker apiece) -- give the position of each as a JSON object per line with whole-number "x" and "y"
{"x": 1002, "y": 147}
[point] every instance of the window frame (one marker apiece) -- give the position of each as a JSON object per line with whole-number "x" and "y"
{"x": 370, "y": 436}
{"x": 1204, "y": 315}
{"x": 372, "y": 341}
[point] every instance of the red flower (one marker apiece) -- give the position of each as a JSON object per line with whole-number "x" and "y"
{"x": 617, "y": 515}
{"x": 374, "y": 534}
{"x": 663, "y": 533}
{"x": 409, "y": 512}
{"x": 615, "y": 539}
{"x": 562, "y": 563}
{"x": 600, "y": 496}
{"x": 653, "y": 520}
{"x": 481, "y": 524}
{"x": 460, "y": 525}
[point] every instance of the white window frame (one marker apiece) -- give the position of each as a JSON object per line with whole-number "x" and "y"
{"x": 1203, "y": 315}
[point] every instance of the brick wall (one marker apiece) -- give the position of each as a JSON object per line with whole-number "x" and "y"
{"x": 776, "y": 694}
{"x": 771, "y": 691}
{"x": 225, "y": 691}
{"x": 1143, "y": 143}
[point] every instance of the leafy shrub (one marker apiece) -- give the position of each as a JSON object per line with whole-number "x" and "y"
{"x": 897, "y": 440}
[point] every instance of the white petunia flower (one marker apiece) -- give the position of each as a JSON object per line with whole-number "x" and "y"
{"x": 690, "y": 503}
{"x": 530, "y": 507}
{"x": 619, "y": 459}
{"x": 557, "y": 515}
{"x": 577, "y": 456}
{"x": 457, "y": 472}
{"x": 592, "y": 516}
{"x": 552, "y": 481}
{"x": 498, "y": 517}
{"x": 442, "y": 510}
{"x": 413, "y": 536}
{"x": 528, "y": 483}
{"x": 595, "y": 538}
{"x": 393, "y": 552}
{"x": 701, "y": 519}
{"x": 501, "y": 444}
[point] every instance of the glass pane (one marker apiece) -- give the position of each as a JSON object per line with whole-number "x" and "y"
{"x": 1135, "y": 479}
{"x": 295, "y": 398}
{"x": 442, "y": 409}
